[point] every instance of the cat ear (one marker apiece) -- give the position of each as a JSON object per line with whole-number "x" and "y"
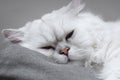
{"x": 13, "y": 35}
{"x": 73, "y": 8}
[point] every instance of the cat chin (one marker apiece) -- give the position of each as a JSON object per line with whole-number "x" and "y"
{"x": 61, "y": 59}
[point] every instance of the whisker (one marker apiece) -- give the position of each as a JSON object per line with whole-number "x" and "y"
{"x": 77, "y": 50}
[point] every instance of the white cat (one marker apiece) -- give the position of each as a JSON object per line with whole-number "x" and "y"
{"x": 69, "y": 35}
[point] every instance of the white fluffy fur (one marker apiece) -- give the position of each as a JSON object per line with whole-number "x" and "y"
{"x": 93, "y": 40}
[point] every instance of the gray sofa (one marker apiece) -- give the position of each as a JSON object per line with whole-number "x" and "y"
{"x": 18, "y": 63}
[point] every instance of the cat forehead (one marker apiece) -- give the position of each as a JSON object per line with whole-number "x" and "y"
{"x": 44, "y": 27}
{"x": 40, "y": 30}
{"x": 36, "y": 27}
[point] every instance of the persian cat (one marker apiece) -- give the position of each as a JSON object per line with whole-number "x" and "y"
{"x": 68, "y": 34}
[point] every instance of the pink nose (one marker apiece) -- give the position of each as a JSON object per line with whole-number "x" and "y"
{"x": 64, "y": 51}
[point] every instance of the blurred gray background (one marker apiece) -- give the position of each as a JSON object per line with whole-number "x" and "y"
{"x": 15, "y": 13}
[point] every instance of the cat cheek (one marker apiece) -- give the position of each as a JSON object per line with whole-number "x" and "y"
{"x": 74, "y": 56}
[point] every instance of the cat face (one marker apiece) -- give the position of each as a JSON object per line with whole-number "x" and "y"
{"x": 63, "y": 48}
{"x": 57, "y": 43}
{"x": 52, "y": 35}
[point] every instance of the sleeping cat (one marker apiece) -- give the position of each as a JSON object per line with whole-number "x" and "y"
{"x": 69, "y": 35}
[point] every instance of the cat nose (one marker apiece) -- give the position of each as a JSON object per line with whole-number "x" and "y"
{"x": 65, "y": 51}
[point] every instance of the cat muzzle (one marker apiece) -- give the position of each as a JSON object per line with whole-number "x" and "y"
{"x": 65, "y": 51}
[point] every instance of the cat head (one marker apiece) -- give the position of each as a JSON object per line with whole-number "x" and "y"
{"x": 52, "y": 35}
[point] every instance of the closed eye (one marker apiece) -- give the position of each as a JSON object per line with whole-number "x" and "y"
{"x": 48, "y": 47}
{"x": 69, "y": 35}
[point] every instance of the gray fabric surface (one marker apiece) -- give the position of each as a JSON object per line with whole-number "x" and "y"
{"x": 18, "y": 63}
